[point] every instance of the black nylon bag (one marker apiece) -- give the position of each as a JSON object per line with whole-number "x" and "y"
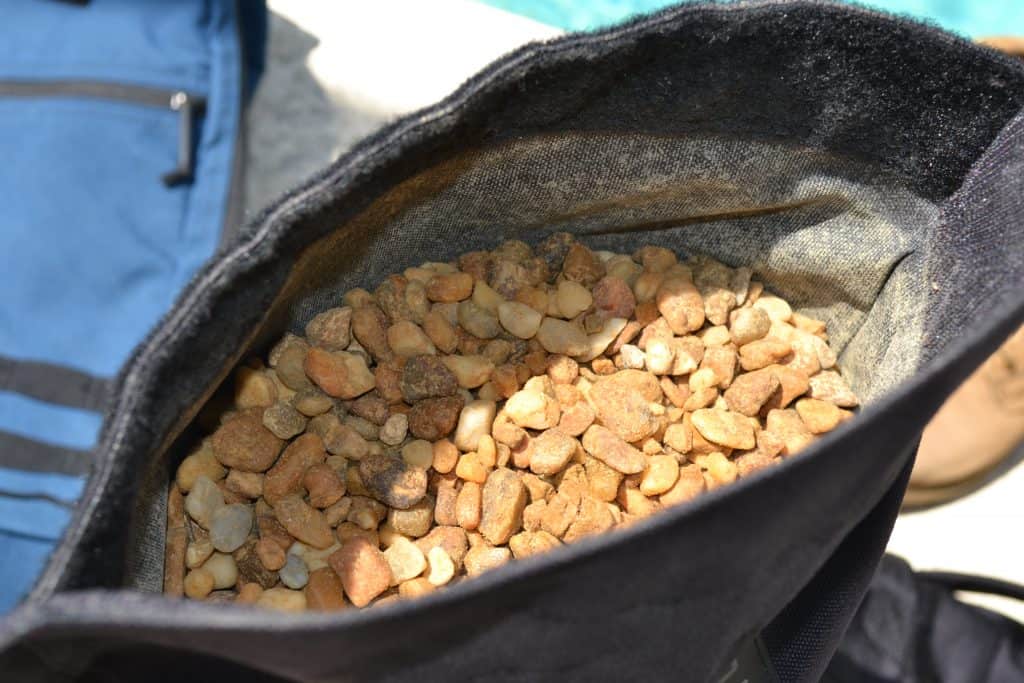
{"x": 869, "y": 169}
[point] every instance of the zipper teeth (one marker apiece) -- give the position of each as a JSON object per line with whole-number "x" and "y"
{"x": 138, "y": 94}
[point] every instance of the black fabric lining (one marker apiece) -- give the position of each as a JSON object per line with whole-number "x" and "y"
{"x": 19, "y": 453}
{"x": 54, "y": 384}
{"x": 975, "y": 584}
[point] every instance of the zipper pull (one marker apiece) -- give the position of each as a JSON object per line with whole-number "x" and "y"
{"x": 188, "y": 108}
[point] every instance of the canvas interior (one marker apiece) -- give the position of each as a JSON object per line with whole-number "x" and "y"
{"x": 832, "y": 235}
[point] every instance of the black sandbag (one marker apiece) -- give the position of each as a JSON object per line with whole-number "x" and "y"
{"x": 869, "y": 169}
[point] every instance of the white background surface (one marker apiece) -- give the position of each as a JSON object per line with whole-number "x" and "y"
{"x": 338, "y": 70}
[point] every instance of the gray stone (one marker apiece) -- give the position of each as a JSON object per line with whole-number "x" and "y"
{"x": 230, "y": 526}
{"x": 294, "y": 573}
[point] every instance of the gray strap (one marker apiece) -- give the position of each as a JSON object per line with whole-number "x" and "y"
{"x": 54, "y": 384}
{"x": 19, "y": 453}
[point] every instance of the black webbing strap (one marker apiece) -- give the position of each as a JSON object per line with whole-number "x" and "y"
{"x": 54, "y": 384}
{"x": 20, "y": 453}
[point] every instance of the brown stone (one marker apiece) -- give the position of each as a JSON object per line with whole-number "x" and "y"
{"x": 504, "y": 497}
{"x": 593, "y": 517}
{"x": 446, "y": 456}
{"x": 625, "y": 411}
{"x": 285, "y": 477}
{"x": 370, "y": 407}
{"x": 175, "y": 544}
{"x": 324, "y": 590}
{"x": 722, "y": 361}
{"x": 251, "y": 568}
{"x": 608, "y": 447}
{"x": 576, "y": 418}
{"x": 819, "y": 416}
{"x": 614, "y": 298}
{"x": 253, "y": 389}
{"x": 249, "y": 485}
{"x": 272, "y": 530}
{"x": 303, "y": 522}
{"x": 751, "y": 462}
{"x": 582, "y": 265}
{"x": 324, "y": 485}
{"x": 484, "y": 558}
{"x": 363, "y": 570}
{"x": 290, "y": 366}
{"x": 829, "y": 386}
{"x": 435, "y": 418}
{"x": 447, "y": 493}
{"x": 415, "y": 521}
{"x": 245, "y": 444}
{"x": 603, "y": 481}
{"x": 450, "y": 287}
{"x": 681, "y": 305}
{"x": 792, "y": 384}
{"x": 392, "y": 481}
{"x": 271, "y": 554}
{"x": 427, "y": 377}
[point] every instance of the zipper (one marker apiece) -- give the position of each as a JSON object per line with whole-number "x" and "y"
{"x": 186, "y": 105}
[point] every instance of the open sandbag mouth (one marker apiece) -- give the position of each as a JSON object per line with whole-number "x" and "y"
{"x": 804, "y": 141}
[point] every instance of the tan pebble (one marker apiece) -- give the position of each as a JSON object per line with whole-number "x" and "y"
{"x": 681, "y": 305}
{"x": 601, "y": 338}
{"x": 487, "y": 450}
{"x": 338, "y": 512}
{"x": 787, "y": 425}
{"x": 535, "y": 298}
{"x": 483, "y": 558}
{"x": 792, "y": 384}
{"x": 445, "y": 456}
{"x": 819, "y": 416}
{"x": 592, "y": 518}
{"x": 282, "y": 599}
{"x": 572, "y": 299}
{"x": 354, "y": 481}
{"x": 202, "y": 462}
{"x": 659, "y": 356}
{"x": 626, "y": 411}
{"x": 581, "y": 265}
{"x": 538, "y": 488}
{"x": 606, "y": 446}
{"x": 719, "y": 470}
{"x": 829, "y": 386}
{"x": 324, "y": 590}
{"x": 689, "y": 485}
{"x": 749, "y": 391}
{"x": 533, "y": 409}
{"x": 655, "y": 259}
{"x": 324, "y": 485}
{"x": 769, "y": 443}
{"x": 749, "y": 463}
{"x": 702, "y": 379}
{"x": 446, "y": 495}
{"x": 440, "y": 331}
{"x": 366, "y": 513}
{"x": 646, "y": 286}
{"x": 363, "y": 570}
{"x": 224, "y": 570}
{"x": 561, "y": 336}
{"x": 245, "y": 444}
{"x": 405, "y": 560}
{"x": 197, "y": 552}
{"x": 519, "y": 319}
{"x": 198, "y": 584}
{"x": 776, "y": 308}
{"x": 475, "y": 421}
{"x": 415, "y": 521}
{"x": 415, "y": 588}
{"x": 331, "y": 329}
{"x": 346, "y": 531}
{"x": 253, "y": 389}
{"x": 603, "y": 481}
{"x": 249, "y": 593}
{"x": 676, "y": 392}
{"x": 533, "y": 513}
{"x": 486, "y": 298}
{"x": 635, "y": 503}
{"x": 284, "y": 421}
{"x": 478, "y": 321}
{"x": 418, "y": 453}
{"x": 559, "y": 513}
{"x": 394, "y": 430}
{"x": 562, "y": 369}
{"x": 725, "y": 428}
{"x": 303, "y": 522}
{"x": 285, "y": 477}
{"x": 576, "y": 419}
{"x": 470, "y": 371}
{"x": 339, "y": 374}
{"x": 451, "y": 539}
{"x": 273, "y": 530}
{"x": 505, "y": 431}
{"x": 290, "y": 367}
{"x": 552, "y": 451}
{"x": 763, "y": 352}
{"x": 449, "y": 288}
{"x": 468, "y": 506}
{"x": 472, "y": 468}
{"x": 717, "y": 335}
{"x": 442, "y": 569}
{"x": 270, "y": 554}
{"x": 529, "y": 543}
{"x": 660, "y": 475}
{"x": 503, "y": 499}
{"x": 721, "y": 360}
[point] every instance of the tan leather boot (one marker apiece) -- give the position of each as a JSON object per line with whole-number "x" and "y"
{"x": 969, "y": 440}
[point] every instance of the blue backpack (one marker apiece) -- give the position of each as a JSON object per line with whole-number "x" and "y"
{"x": 119, "y": 134}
